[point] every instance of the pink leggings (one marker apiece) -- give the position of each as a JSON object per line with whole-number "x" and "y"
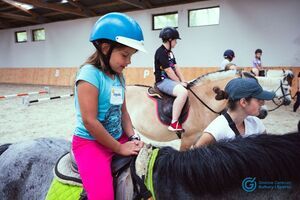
{"x": 94, "y": 166}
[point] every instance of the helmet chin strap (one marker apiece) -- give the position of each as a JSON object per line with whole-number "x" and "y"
{"x": 170, "y": 47}
{"x": 105, "y": 58}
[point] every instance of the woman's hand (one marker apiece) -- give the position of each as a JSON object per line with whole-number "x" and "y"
{"x": 130, "y": 148}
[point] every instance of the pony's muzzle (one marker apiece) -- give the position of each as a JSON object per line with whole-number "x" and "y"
{"x": 263, "y": 112}
{"x": 286, "y": 101}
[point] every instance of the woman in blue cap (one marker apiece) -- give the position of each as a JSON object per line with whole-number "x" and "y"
{"x": 103, "y": 124}
{"x": 245, "y": 98}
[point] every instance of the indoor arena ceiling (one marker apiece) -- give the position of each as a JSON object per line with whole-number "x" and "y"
{"x": 20, "y": 13}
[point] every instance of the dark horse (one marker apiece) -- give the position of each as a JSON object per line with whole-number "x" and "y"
{"x": 215, "y": 171}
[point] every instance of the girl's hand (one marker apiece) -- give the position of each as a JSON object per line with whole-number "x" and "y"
{"x": 130, "y": 148}
{"x": 184, "y": 84}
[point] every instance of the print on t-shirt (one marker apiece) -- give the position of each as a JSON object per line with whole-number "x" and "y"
{"x": 112, "y": 121}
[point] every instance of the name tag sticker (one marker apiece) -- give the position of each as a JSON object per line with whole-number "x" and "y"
{"x": 116, "y": 95}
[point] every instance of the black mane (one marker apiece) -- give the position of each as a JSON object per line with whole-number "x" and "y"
{"x": 222, "y": 167}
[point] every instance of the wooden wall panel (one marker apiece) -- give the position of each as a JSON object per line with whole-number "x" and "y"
{"x": 134, "y": 75}
{"x": 146, "y": 76}
{"x": 38, "y": 76}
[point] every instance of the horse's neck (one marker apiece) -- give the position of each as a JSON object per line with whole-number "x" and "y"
{"x": 269, "y": 83}
{"x": 275, "y": 73}
{"x": 204, "y": 92}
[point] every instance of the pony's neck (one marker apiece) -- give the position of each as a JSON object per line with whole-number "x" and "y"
{"x": 203, "y": 88}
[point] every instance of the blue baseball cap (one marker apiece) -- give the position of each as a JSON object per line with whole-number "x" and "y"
{"x": 239, "y": 88}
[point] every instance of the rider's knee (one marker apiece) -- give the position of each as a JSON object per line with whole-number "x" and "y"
{"x": 255, "y": 71}
{"x": 183, "y": 93}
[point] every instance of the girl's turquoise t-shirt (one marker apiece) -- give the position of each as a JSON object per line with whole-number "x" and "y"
{"x": 110, "y": 100}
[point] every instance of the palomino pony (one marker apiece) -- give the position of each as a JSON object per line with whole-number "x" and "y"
{"x": 215, "y": 171}
{"x": 203, "y": 107}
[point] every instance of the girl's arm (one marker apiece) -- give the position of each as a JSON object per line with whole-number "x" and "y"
{"x": 171, "y": 74}
{"x": 179, "y": 74}
{"x": 88, "y": 102}
{"x": 256, "y": 65}
{"x": 126, "y": 121}
{"x": 127, "y": 126}
{"x": 205, "y": 140}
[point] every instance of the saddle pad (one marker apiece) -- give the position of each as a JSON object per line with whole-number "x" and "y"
{"x": 153, "y": 92}
{"x": 60, "y": 191}
{"x": 64, "y": 173}
{"x": 164, "y": 109}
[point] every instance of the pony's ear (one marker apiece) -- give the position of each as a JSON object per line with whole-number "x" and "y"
{"x": 220, "y": 94}
{"x": 246, "y": 74}
{"x": 289, "y": 76}
{"x": 239, "y": 71}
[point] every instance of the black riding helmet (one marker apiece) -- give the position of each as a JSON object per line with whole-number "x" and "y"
{"x": 169, "y": 33}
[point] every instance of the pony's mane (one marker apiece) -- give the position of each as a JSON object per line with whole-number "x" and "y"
{"x": 140, "y": 85}
{"x": 212, "y": 76}
{"x": 269, "y": 83}
{"x": 223, "y": 166}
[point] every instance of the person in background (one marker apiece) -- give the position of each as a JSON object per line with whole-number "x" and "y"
{"x": 297, "y": 95}
{"x": 168, "y": 77}
{"x": 257, "y": 68}
{"x": 103, "y": 124}
{"x": 228, "y": 58}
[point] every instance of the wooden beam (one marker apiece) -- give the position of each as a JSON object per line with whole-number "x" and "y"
{"x": 19, "y": 17}
{"x": 134, "y": 3}
{"x": 35, "y": 15}
{"x": 52, "y": 6}
{"x": 4, "y": 24}
{"x": 3, "y": 8}
{"x": 50, "y": 14}
{"x": 86, "y": 10}
{"x": 148, "y": 4}
{"x": 177, "y": 2}
{"x": 104, "y": 5}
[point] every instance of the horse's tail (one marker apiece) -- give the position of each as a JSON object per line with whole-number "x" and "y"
{"x": 3, "y": 148}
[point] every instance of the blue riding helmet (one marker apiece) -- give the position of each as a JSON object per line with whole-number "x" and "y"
{"x": 229, "y": 54}
{"x": 120, "y": 28}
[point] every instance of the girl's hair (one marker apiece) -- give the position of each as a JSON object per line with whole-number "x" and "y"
{"x": 96, "y": 58}
{"x": 258, "y": 51}
{"x": 221, "y": 94}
